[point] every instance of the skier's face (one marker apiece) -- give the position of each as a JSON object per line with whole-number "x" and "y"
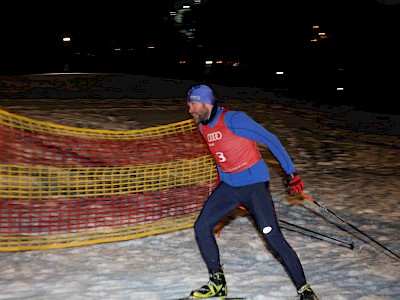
{"x": 199, "y": 111}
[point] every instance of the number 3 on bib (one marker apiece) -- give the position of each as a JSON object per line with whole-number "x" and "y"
{"x": 221, "y": 156}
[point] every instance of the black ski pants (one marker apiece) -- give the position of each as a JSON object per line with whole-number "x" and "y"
{"x": 256, "y": 198}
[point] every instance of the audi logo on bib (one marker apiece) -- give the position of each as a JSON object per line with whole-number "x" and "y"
{"x": 215, "y": 136}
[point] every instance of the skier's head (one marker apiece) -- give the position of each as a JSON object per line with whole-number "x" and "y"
{"x": 201, "y": 93}
{"x": 202, "y": 103}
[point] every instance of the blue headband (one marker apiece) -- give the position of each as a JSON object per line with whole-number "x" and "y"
{"x": 201, "y": 93}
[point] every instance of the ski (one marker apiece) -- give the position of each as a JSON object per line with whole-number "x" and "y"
{"x": 215, "y": 298}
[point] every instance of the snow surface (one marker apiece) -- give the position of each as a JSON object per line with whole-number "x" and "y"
{"x": 346, "y": 167}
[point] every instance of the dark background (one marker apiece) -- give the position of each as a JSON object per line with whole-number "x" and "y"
{"x": 360, "y": 54}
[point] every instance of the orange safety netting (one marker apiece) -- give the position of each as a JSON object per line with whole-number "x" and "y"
{"x": 63, "y": 186}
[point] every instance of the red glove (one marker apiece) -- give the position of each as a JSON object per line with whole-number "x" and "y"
{"x": 293, "y": 184}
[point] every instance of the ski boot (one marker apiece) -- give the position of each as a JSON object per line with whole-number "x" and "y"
{"x": 306, "y": 293}
{"x": 216, "y": 287}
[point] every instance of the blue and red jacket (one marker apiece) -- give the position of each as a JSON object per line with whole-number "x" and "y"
{"x": 232, "y": 138}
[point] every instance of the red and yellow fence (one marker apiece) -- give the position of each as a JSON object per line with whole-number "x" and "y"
{"x": 63, "y": 186}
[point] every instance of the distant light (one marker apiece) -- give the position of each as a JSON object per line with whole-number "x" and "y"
{"x": 209, "y": 62}
{"x": 315, "y": 26}
{"x": 321, "y": 33}
{"x": 218, "y": 62}
{"x": 117, "y": 49}
{"x": 279, "y": 73}
{"x": 150, "y": 47}
{"x": 188, "y": 34}
{"x": 339, "y": 89}
{"x": 314, "y": 40}
{"x": 236, "y": 64}
{"x": 186, "y": 6}
{"x": 182, "y": 61}
{"x": 66, "y": 38}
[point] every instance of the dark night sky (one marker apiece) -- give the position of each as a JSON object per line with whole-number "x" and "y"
{"x": 364, "y": 33}
{"x": 230, "y": 25}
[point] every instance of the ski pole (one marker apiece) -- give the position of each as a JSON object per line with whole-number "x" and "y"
{"x": 348, "y": 223}
{"x": 347, "y": 245}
